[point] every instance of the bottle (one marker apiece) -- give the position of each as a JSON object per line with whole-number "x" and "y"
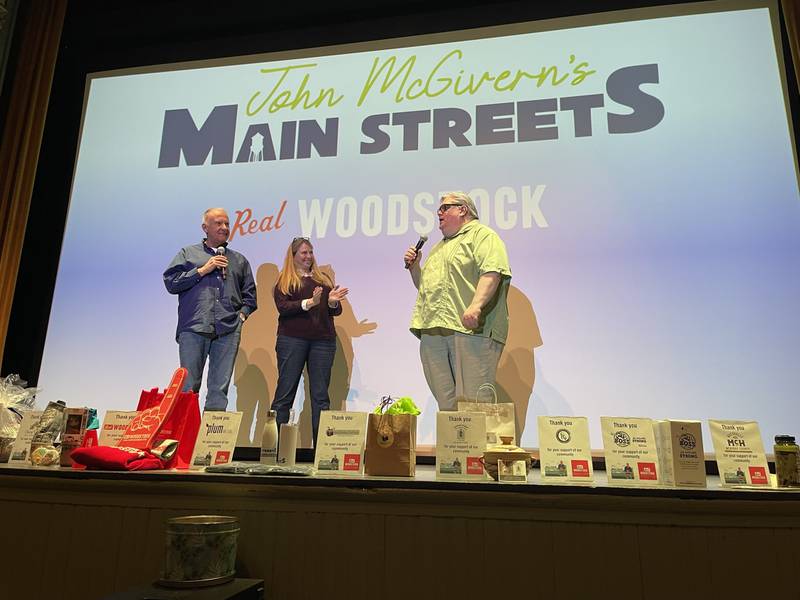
{"x": 288, "y": 445}
{"x": 786, "y": 461}
{"x": 287, "y": 442}
{"x": 269, "y": 440}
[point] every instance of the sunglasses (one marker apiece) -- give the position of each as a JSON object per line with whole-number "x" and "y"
{"x": 444, "y": 207}
{"x": 301, "y": 239}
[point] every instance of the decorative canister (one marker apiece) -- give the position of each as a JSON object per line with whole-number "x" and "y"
{"x": 506, "y": 452}
{"x": 200, "y": 550}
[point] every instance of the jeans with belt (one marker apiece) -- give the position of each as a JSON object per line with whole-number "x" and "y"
{"x": 293, "y": 355}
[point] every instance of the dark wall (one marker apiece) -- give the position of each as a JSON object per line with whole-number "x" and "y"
{"x": 102, "y": 35}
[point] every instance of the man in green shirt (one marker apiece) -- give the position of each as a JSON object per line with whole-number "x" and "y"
{"x": 461, "y": 314}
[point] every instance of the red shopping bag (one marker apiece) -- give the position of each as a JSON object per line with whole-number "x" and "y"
{"x": 142, "y": 432}
{"x": 182, "y": 424}
{"x": 173, "y": 415}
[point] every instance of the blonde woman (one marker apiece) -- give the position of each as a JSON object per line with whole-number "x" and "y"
{"x": 307, "y": 300}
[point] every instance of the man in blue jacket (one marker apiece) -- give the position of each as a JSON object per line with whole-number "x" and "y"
{"x": 216, "y": 293}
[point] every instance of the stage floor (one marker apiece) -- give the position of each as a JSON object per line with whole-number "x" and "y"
{"x": 86, "y": 534}
{"x": 425, "y": 478}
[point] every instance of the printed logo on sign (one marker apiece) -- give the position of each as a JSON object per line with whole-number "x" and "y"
{"x": 757, "y": 475}
{"x": 736, "y": 440}
{"x": 580, "y": 468}
{"x": 222, "y": 457}
{"x": 352, "y": 462}
{"x": 331, "y": 431}
{"x": 622, "y": 439}
{"x": 474, "y": 466}
{"x": 563, "y": 436}
{"x": 647, "y": 471}
{"x": 687, "y": 441}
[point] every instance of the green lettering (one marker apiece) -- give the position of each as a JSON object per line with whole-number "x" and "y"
{"x": 389, "y": 79}
{"x": 504, "y": 75}
{"x": 446, "y": 80}
{"x": 581, "y": 73}
{"x": 288, "y": 98}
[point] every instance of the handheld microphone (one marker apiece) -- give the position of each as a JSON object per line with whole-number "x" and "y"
{"x": 422, "y": 239}
{"x": 220, "y": 251}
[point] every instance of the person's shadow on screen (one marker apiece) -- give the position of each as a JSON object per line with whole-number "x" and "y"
{"x": 347, "y": 328}
{"x": 516, "y": 371}
{"x": 256, "y": 367}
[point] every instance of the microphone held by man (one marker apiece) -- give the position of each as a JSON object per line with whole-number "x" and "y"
{"x": 412, "y": 254}
{"x": 220, "y": 251}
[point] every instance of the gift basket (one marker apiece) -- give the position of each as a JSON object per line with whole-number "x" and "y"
{"x": 15, "y": 400}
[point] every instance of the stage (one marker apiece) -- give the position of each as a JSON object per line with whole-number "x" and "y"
{"x": 73, "y": 534}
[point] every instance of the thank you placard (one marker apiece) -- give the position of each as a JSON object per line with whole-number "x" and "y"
{"x": 216, "y": 439}
{"x": 460, "y": 444}
{"x": 631, "y": 454}
{"x": 22, "y": 445}
{"x": 564, "y": 450}
{"x": 114, "y": 426}
{"x": 340, "y": 443}
{"x": 680, "y": 453}
{"x": 739, "y": 452}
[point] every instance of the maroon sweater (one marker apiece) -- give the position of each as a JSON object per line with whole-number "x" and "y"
{"x": 313, "y": 324}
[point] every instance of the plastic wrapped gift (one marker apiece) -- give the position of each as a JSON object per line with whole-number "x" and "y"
{"x": 15, "y": 399}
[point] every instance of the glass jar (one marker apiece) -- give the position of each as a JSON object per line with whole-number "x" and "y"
{"x": 786, "y": 461}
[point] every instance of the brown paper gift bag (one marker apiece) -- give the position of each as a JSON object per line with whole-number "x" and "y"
{"x": 391, "y": 448}
{"x": 500, "y": 420}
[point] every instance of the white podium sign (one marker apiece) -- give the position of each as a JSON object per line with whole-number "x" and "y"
{"x": 340, "y": 443}
{"x": 631, "y": 454}
{"x": 564, "y": 450}
{"x": 740, "y": 453}
{"x": 114, "y": 426}
{"x": 216, "y": 439}
{"x": 680, "y": 453}
{"x": 460, "y": 444}
{"x": 20, "y": 451}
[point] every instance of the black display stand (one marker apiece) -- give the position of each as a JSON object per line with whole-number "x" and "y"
{"x": 238, "y": 589}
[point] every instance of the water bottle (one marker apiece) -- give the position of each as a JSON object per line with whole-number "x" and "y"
{"x": 269, "y": 440}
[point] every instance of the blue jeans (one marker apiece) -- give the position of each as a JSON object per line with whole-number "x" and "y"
{"x": 293, "y": 355}
{"x": 194, "y": 349}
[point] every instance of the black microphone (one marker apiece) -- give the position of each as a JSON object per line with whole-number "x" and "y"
{"x": 422, "y": 239}
{"x": 220, "y": 251}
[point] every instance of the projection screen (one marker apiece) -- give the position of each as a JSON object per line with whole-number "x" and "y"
{"x": 639, "y": 166}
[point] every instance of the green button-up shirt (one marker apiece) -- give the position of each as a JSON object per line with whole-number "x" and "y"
{"x": 450, "y": 276}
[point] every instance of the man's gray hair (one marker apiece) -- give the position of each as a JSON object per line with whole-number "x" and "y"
{"x": 210, "y": 210}
{"x": 463, "y": 199}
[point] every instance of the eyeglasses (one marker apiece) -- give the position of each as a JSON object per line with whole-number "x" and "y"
{"x": 300, "y": 239}
{"x": 443, "y": 207}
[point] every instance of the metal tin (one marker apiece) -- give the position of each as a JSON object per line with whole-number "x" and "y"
{"x": 200, "y": 551}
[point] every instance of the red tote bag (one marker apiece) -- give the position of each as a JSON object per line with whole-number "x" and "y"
{"x": 183, "y": 424}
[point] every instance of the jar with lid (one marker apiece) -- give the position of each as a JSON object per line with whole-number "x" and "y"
{"x": 786, "y": 461}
